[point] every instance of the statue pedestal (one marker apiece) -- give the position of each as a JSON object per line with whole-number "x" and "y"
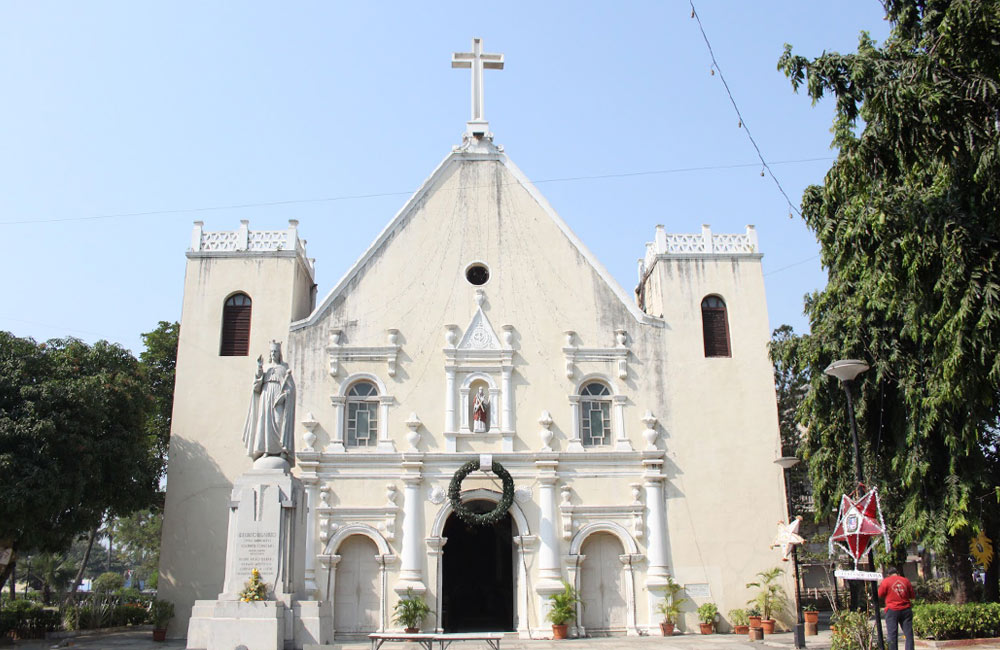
{"x": 266, "y": 532}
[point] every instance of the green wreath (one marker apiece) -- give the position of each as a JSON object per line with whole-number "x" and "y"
{"x": 491, "y": 518}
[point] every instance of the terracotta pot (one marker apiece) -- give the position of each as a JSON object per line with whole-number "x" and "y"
{"x": 768, "y": 625}
{"x": 159, "y": 634}
{"x": 755, "y": 621}
{"x": 707, "y": 628}
{"x": 756, "y": 634}
{"x": 741, "y": 629}
{"x": 559, "y": 631}
{"x": 667, "y": 629}
{"x": 811, "y": 617}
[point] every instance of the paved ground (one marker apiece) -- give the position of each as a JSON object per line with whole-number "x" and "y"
{"x": 143, "y": 641}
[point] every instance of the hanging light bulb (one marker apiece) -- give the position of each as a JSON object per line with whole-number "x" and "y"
{"x": 712, "y": 71}
{"x": 761, "y": 171}
{"x": 739, "y": 124}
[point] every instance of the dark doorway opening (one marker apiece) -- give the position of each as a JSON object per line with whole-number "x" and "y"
{"x": 478, "y": 580}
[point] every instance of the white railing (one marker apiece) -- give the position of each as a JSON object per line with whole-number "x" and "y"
{"x": 246, "y": 240}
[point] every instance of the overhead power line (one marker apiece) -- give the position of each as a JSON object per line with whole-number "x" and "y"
{"x": 742, "y": 122}
{"x": 352, "y": 197}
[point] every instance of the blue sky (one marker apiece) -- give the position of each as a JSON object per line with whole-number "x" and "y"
{"x": 190, "y": 109}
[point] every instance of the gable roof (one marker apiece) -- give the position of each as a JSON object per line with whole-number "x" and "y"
{"x": 428, "y": 187}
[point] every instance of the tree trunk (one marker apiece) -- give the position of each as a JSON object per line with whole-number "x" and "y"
{"x": 83, "y": 566}
{"x": 960, "y": 568}
{"x": 8, "y": 571}
{"x": 991, "y": 590}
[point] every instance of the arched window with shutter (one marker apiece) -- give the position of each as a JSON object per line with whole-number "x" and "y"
{"x": 595, "y": 415}
{"x": 715, "y": 327}
{"x": 362, "y": 415}
{"x": 236, "y": 326}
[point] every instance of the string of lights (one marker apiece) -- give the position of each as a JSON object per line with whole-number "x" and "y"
{"x": 742, "y": 123}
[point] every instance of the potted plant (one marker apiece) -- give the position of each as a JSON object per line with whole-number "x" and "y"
{"x": 410, "y": 612}
{"x": 810, "y": 613}
{"x": 562, "y": 610}
{"x": 706, "y": 615}
{"x": 753, "y": 615}
{"x": 160, "y": 613}
{"x": 771, "y": 596}
{"x": 740, "y": 621}
{"x": 670, "y": 608}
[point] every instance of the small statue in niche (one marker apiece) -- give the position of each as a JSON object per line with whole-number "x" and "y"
{"x": 270, "y": 423}
{"x": 480, "y": 411}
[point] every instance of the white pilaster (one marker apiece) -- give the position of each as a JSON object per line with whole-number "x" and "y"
{"x": 337, "y": 444}
{"x": 507, "y": 397}
{"x": 449, "y": 400}
{"x": 549, "y": 571}
{"x": 656, "y": 529}
{"x": 574, "y": 443}
{"x": 385, "y": 443}
{"x": 435, "y": 555}
{"x": 312, "y": 494}
{"x": 618, "y": 417}
{"x": 411, "y": 569}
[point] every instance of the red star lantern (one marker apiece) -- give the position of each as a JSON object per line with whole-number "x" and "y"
{"x": 859, "y": 525}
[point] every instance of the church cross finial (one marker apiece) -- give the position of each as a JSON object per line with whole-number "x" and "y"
{"x": 478, "y": 61}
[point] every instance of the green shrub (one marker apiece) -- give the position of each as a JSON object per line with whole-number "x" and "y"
{"x": 27, "y": 620}
{"x": 854, "y": 631}
{"x": 129, "y": 595}
{"x": 108, "y": 582}
{"x": 932, "y": 590}
{"x": 948, "y": 621}
{"x": 130, "y": 614}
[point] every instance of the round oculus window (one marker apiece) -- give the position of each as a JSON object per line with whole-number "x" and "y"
{"x": 477, "y": 274}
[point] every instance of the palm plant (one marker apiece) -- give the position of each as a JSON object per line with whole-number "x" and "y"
{"x": 772, "y": 595}
{"x": 670, "y": 607}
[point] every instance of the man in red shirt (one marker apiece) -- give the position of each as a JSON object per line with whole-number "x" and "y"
{"x": 897, "y": 592}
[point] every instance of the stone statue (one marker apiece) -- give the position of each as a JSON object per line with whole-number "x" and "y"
{"x": 270, "y": 425}
{"x": 480, "y": 405}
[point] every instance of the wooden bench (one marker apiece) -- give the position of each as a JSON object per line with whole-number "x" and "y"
{"x": 444, "y": 640}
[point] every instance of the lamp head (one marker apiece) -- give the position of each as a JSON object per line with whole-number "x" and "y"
{"x": 846, "y": 369}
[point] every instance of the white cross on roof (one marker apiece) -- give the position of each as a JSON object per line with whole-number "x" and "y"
{"x": 477, "y": 60}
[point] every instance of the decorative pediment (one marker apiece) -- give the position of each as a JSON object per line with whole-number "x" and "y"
{"x": 479, "y": 335}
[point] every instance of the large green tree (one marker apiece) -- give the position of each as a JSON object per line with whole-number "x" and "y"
{"x": 74, "y": 440}
{"x": 908, "y": 219}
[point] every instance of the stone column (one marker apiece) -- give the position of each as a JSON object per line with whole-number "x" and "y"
{"x": 411, "y": 568}
{"x": 549, "y": 572}
{"x": 656, "y": 529}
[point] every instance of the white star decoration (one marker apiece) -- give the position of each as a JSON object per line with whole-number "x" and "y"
{"x": 788, "y": 537}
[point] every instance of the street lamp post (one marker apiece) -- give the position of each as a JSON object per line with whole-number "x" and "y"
{"x": 846, "y": 371}
{"x": 787, "y": 463}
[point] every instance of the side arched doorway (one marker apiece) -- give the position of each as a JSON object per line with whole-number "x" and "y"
{"x": 602, "y": 589}
{"x": 356, "y": 592}
{"x": 478, "y": 574}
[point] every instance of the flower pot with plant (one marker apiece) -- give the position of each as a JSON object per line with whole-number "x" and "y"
{"x": 160, "y": 613}
{"x": 753, "y": 615}
{"x": 670, "y": 607}
{"x": 706, "y": 617}
{"x": 410, "y": 611}
{"x": 562, "y": 610}
{"x": 811, "y": 614}
{"x": 740, "y": 621}
{"x": 771, "y": 596}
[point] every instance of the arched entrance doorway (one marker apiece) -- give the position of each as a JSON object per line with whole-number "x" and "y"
{"x": 478, "y": 574}
{"x": 356, "y": 593}
{"x": 602, "y": 591}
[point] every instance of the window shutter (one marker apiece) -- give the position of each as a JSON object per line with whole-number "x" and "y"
{"x": 235, "y": 330}
{"x": 716, "y": 332}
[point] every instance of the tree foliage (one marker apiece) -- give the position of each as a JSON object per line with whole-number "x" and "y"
{"x": 73, "y": 439}
{"x": 908, "y": 219}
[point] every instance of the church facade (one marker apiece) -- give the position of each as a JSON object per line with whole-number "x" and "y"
{"x": 638, "y": 429}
